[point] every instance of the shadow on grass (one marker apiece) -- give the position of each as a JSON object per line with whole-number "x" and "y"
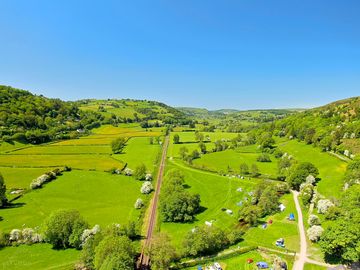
{"x": 14, "y": 205}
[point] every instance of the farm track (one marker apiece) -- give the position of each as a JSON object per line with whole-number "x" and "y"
{"x": 144, "y": 260}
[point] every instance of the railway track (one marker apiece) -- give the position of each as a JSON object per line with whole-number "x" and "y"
{"x": 144, "y": 260}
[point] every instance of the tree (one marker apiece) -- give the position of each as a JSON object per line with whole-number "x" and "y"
{"x": 176, "y": 139}
{"x": 255, "y": 170}
{"x": 195, "y": 154}
{"x": 205, "y": 240}
{"x": 3, "y": 199}
{"x": 161, "y": 252}
{"x": 199, "y": 136}
{"x": 140, "y": 172}
{"x": 314, "y": 233}
{"x": 313, "y": 220}
{"x": 300, "y": 173}
{"x": 266, "y": 140}
{"x": 118, "y": 145}
{"x": 263, "y": 158}
{"x": 146, "y": 187}
{"x": 249, "y": 214}
{"x": 202, "y": 147}
{"x": 183, "y": 152}
{"x": 64, "y": 228}
{"x": 115, "y": 253}
{"x": 269, "y": 201}
{"x": 244, "y": 169}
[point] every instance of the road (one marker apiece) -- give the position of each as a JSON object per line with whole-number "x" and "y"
{"x": 301, "y": 258}
{"x": 144, "y": 260}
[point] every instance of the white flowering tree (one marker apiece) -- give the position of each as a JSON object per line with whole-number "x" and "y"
{"x": 314, "y": 233}
{"x": 15, "y": 235}
{"x": 323, "y": 206}
{"x": 146, "y": 187}
{"x": 310, "y": 179}
{"x": 148, "y": 177}
{"x": 87, "y": 233}
{"x": 139, "y": 203}
{"x": 313, "y": 220}
{"x": 128, "y": 172}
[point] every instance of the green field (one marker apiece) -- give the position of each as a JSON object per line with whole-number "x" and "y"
{"x": 139, "y": 150}
{"x": 100, "y": 197}
{"x": 309, "y": 266}
{"x": 37, "y": 257}
{"x": 331, "y": 169}
{"x": 64, "y": 150}
{"x": 20, "y": 178}
{"x": 215, "y": 192}
{"x": 220, "y": 161}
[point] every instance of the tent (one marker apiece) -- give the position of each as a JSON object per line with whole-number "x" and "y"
{"x": 282, "y": 207}
{"x": 262, "y": 265}
{"x": 291, "y": 216}
{"x": 199, "y": 267}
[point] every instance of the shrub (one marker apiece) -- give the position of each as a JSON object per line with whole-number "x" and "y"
{"x": 313, "y": 220}
{"x": 38, "y": 182}
{"x": 315, "y": 232}
{"x": 140, "y": 172}
{"x": 128, "y": 172}
{"x": 139, "y": 203}
{"x": 323, "y": 206}
{"x": 148, "y": 177}
{"x": 146, "y": 187}
{"x": 64, "y": 229}
{"x": 15, "y": 235}
{"x": 310, "y": 179}
{"x": 263, "y": 158}
{"x": 306, "y": 193}
{"x": 118, "y": 145}
{"x": 3, "y": 199}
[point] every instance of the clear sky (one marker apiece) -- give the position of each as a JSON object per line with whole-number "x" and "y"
{"x": 203, "y": 53}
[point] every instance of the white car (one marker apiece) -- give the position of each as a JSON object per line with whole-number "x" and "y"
{"x": 217, "y": 266}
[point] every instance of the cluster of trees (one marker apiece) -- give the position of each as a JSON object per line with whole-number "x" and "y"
{"x": 263, "y": 201}
{"x": 245, "y": 170}
{"x": 299, "y": 172}
{"x": 36, "y": 119}
{"x": 188, "y": 157}
{"x": 324, "y": 127}
{"x": 207, "y": 240}
{"x": 177, "y": 204}
{"x": 341, "y": 238}
{"x": 118, "y": 145}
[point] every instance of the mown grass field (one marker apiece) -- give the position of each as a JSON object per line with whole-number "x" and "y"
{"x": 63, "y": 150}
{"x": 100, "y": 197}
{"x": 221, "y": 161}
{"x": 139, "y": 150}
{"x": 309, "y": 266}
{"x": 20, "y": 178}
{"x": 85, "y": 162}
{"x": 37, "y": 257}
{"x": 331, "y": 169}
{"x": 215, "y": 192}
{"x": 281, "y": 228}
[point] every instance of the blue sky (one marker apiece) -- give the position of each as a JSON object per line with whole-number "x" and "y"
{"x": 214, "y": 54}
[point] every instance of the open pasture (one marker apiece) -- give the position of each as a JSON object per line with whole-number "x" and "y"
{"x": 216, "y": 192}
{"x": 100, "y": 197}
{"x": 63, "y": 150}
{"x": 20, "y": 178}
{"x": 37, "y": 257}
{"x": 331, "y": 169}
{"x": 85, "y": 162}
{"x": 139, "y": 150}
{"x": 221, "y": 161}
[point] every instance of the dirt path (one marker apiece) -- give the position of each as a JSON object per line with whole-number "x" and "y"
{"x": 144, "y": 260}
{"x": 301, "y": 258}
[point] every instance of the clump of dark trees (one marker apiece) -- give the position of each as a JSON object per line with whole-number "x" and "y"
{"x": 178, "y": 204}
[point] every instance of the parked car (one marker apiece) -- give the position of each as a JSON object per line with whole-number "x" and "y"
{"x": 262, "y": 265}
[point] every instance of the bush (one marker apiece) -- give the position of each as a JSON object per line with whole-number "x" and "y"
{"x": 313, "y": 220}
{"x": 26, "y": 236}
{"x": 64, "y": 229}
{"x": 146, "y": 187}
{"x": 88, "y": 233}
{"x": 3, "y": 199}
{"x": 263, "y": 158}
{"x": 139, "y": 203}
{"x": 128, "y": 172}
{"x": 314, "y": 233}
{"x": 306, "y": 193}
{"x": 140, "y": 172}
{"x": 118, "y": 145}
{"x": 323, "y": 206}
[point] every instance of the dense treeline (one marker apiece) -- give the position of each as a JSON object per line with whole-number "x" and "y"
{"x": 37, "y": 119}
{"x": 324, "y": 127}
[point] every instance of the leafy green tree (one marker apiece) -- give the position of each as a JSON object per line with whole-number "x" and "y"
{"x": 3, "y": 199}
{"x": 205, "y": 240}
{"x": 202, "y": 147}
{"x": 266, "y": 140}
{"x": 249, "y": 214}
{"x": 183, "y": 152}
{"x": 255, "y": 170}
{"x": 352, "y": 174}
{"x": 118, "y": 145}
{"x": 199, "y": 136}
{"x": 263, "y": 158}
{"x": 115, "y": 253}
{"x": 64, "y": 228}
{"x": 299, "y": 174}
{"x": 244, "y": 169}
{"x": 269, "y": 201}
{"x": 195, "y": 154}
{"x": 161, "y": 252}
{"x": 176, "y": 139}
{"x": 140, "y": 172}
